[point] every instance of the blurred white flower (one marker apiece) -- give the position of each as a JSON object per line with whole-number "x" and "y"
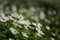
{"x": 52, "y": 38}
{"x": 25, "y": 22}
{"x": 39, "y": 31}
{"x": 38, "y": 34}
{"x": 14, "y": 8}
{"x": 46, "y": 20}
{"x": 53, "y": 34}
{"x": 24, "y": 34}
{"x": 11, "y": 39}
{"x": 37, "y": 24}
{"x": 34, "y": 24}
{"x": 47, "y": 27}
{"x": 3, "y": 17}
{"x": 31, "y": 27}
{"x": 10, "y": 18}
{"x": 32, "y": 9}
{"x": 14, "y": 31}
{"x": 42, "y": 15}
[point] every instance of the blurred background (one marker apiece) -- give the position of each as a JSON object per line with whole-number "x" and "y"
{"x": 29, "y": 19}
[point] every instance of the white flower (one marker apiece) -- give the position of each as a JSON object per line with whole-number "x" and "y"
{"x": 14, "y": 8}
{"x": 20, "y": 17}
{"x": 15, "y": 15}
{"x": 3, "y": 17}
{"x": 39, "y": 24}
{"x": 47, "y": 21}
{"x": 32, "y": 9}
{"x": 25, "y": 22}
{"x": 38, "y": 34}
{"x": 53, "y": 34}
{"x": 14, "y": 23}
{"x": 11, "y": 39}
{"x": 42, "y": 15}
{"x": 39, "y": 31}
{"x": 10, "y": 18}
{"x": 34, "y": 24}
{"x": 47, "y": 27}
{"x": 31, "y": 27}
{"x": 24, "y": 34}
{"x": 13, "y": 30}
{"x": 26, "y": 27}
{"x": 52, "y": 38}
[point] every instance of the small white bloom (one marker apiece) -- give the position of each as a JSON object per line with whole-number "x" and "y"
{"x": 15, "y": 15}
{"x": 39, "y": 25}
{"x": 38, "y": 34}
{"x": 25, "y": 22}
{"x": 31, "y": 27}
{"x": 53, "y": 34}
{"x": 13, "y": 30}
{"x": 15, "y": 24}
{"x": 14, "y": 8}
{"x": 11, "y": 39}
{"x": 34, "y": 24}
{"x": 39, "y": 31}
{"x": 47, "y": 21}
{"x": 19, "y": 26}
{"x": 24, "y": 34}
{"x": 52, "y": 38}
{"x": 4, "y": 17}
{"x": 47, "y": 27}
{"x": 32, "y": 9}
{"x": 26, "y": 27}
{"x": 21, "y": 17}
{"x": 10, "y": 18}
{"x": 42, "y": 15}
{"x": 1, "y": 19}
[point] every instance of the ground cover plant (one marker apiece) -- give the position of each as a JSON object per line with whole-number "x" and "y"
{"x": 27, "y": 22}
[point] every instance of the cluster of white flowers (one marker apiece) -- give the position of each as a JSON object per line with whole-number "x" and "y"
{"x": 20, "y": 20}
{"x": 39, "y": 32}
{"x": 38, "y": 28}
{"x": 23, "y": 21}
